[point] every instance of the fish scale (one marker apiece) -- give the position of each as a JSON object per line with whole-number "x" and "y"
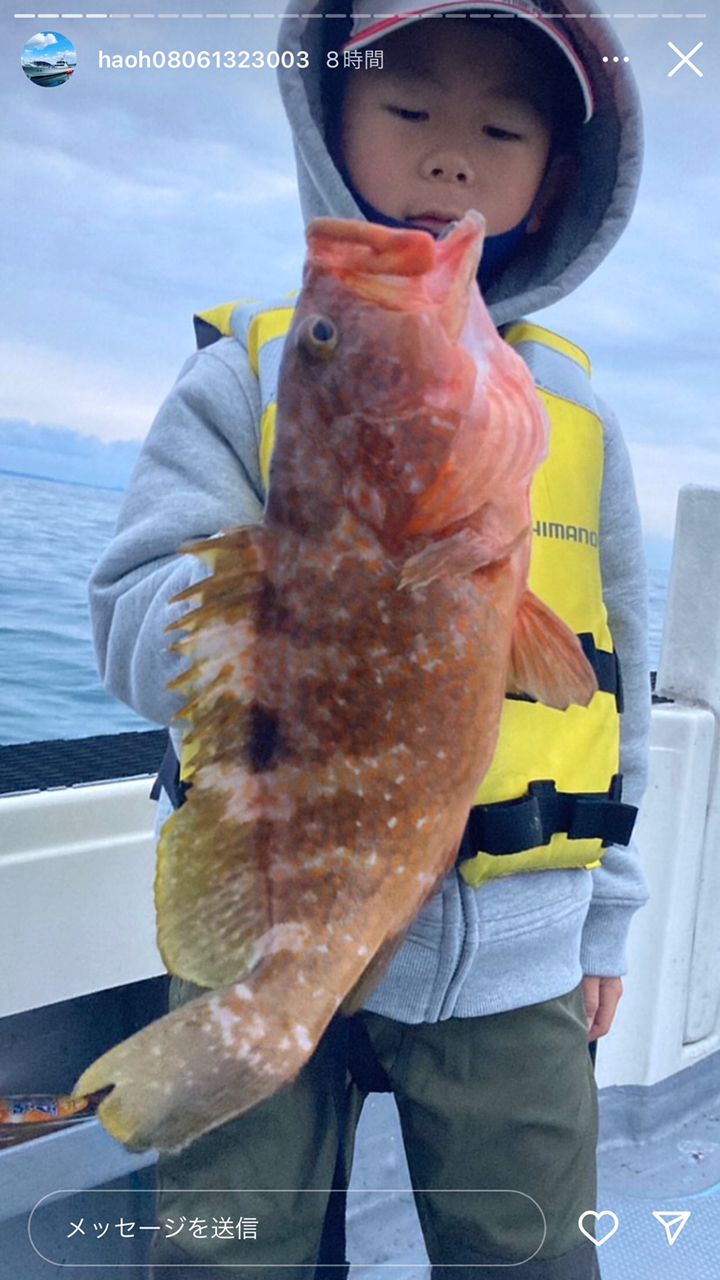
{"x": 348, "y": 662}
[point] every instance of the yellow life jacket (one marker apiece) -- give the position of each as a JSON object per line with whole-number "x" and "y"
{"x": 552, "y": 796}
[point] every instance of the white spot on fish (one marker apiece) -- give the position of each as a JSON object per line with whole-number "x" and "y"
{"x": 388, "y": 795}
{"x": 441, "y": 755}
{"x": 284, "y": 937}
{"x": 399, "y": 870}
{"x": 421, "y": 823}
{"x": 242, "y": 991}
{"x": 325, "y": 856}
{"x": 302, "y": 1037}
{"x": 322, "y": 947}
{"x": 400, "y": 778}
{"x": 244, "y": 792}
{"x": 225, "y": 1020}
{"x": 213, "y": 643}
{"x": 392, "y": 822}
{"x": 372, "y": 859}
{"x": 431, "y": 665}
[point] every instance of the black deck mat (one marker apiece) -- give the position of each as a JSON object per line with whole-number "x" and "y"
{"x": 67, "y": 762}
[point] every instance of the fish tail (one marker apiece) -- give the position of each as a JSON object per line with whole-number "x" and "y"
{"x": 208, "y": 1061}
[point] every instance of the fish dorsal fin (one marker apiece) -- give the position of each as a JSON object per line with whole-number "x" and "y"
{"x": 210, "y": 887}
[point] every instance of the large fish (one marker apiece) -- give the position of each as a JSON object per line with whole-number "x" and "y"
{"x": 349, "y": 660}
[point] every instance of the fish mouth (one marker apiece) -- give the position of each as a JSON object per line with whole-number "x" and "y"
{"x": 453, "y": 281}
{"x": 349, "y": 248}
{"x": 402, "y": 270}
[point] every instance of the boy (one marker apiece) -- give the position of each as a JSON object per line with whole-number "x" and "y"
{"x": 479, "y": 1026}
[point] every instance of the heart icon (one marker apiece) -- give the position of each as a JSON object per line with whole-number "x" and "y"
{"x": 606, "y": 1213}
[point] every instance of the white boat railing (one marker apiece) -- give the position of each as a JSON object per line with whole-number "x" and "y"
{"x": 669, "y": 1017}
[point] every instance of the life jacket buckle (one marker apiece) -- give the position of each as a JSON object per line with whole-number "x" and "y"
{"x": 530, "y": 821}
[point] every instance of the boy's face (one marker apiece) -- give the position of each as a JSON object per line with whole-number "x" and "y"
{"x": 458, "y": 118}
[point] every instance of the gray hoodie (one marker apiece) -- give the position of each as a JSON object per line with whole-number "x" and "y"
{"x": 524, "y": 938}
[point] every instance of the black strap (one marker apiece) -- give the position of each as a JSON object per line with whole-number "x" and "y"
{"x": 169, "y": 778}
{"x": 606, "y": 666}
{"x": 205, "y": 333}
{"x": 604, "y": 663}
{"x": 331, "y": 1262}
{"x": 511, "y": 826}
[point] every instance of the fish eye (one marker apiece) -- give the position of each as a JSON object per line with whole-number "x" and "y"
{"x": 317, "y": 336}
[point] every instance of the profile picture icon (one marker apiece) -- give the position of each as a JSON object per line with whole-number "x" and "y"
{"x": 48, "y": 59}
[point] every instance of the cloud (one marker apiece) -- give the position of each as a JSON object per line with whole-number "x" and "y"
{"x": 660, "y": 472}
{"x": 52, "y": 452}
{"x": 266, "y": 187}
{"x": 158, "y": 181}
{"x": 42, "y": 40}
{"x": 93, "y": 395}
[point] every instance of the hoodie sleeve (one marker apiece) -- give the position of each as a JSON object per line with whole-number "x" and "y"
{"x": 619, "y": 886}
{"x": 198, "y": 473}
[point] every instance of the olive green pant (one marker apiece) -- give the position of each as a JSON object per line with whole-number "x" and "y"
{"x": 499, "y": 1122}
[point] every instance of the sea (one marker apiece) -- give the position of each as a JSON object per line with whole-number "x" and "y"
{"x": 51, "y": 536}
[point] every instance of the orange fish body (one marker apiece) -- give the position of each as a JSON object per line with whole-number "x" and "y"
{"x": 350, "y": 657}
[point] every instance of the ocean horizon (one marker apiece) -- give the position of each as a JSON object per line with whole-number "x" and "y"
{"x": 82, "y": 484}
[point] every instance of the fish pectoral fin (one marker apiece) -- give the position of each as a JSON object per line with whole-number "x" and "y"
{"x": 371, "y": 976}
{"x": 546, "y": 658}
{"x": 461, "y": 554}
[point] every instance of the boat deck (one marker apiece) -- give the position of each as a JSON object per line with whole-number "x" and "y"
{"x": 679, "y": 1170}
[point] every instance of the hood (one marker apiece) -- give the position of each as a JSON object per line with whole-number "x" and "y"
{"x": 593, "y": 214}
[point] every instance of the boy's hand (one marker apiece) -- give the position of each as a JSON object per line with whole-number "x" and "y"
{"x": 602, "y": 996}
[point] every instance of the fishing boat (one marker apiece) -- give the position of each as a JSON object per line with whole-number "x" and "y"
{"x": 40, "y": 70}
{"x": 81, "y": 972}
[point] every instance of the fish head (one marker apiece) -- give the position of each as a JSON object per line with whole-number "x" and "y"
{"x": 380, "y": 368}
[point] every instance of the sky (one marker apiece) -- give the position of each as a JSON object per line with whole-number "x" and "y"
{"x": 138, "y": 197}
{"x": 49, "y": 45}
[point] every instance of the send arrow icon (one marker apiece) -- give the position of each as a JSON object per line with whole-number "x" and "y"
{"x": 673, "y": 1221}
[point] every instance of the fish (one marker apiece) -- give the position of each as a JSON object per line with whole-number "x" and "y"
{"x": 348, "y": 660}
{"x": 26, "y": 1116}
{"x": 43, "y": 1108}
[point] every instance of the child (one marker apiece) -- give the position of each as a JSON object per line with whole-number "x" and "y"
{"x": 480, "y": 1026}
